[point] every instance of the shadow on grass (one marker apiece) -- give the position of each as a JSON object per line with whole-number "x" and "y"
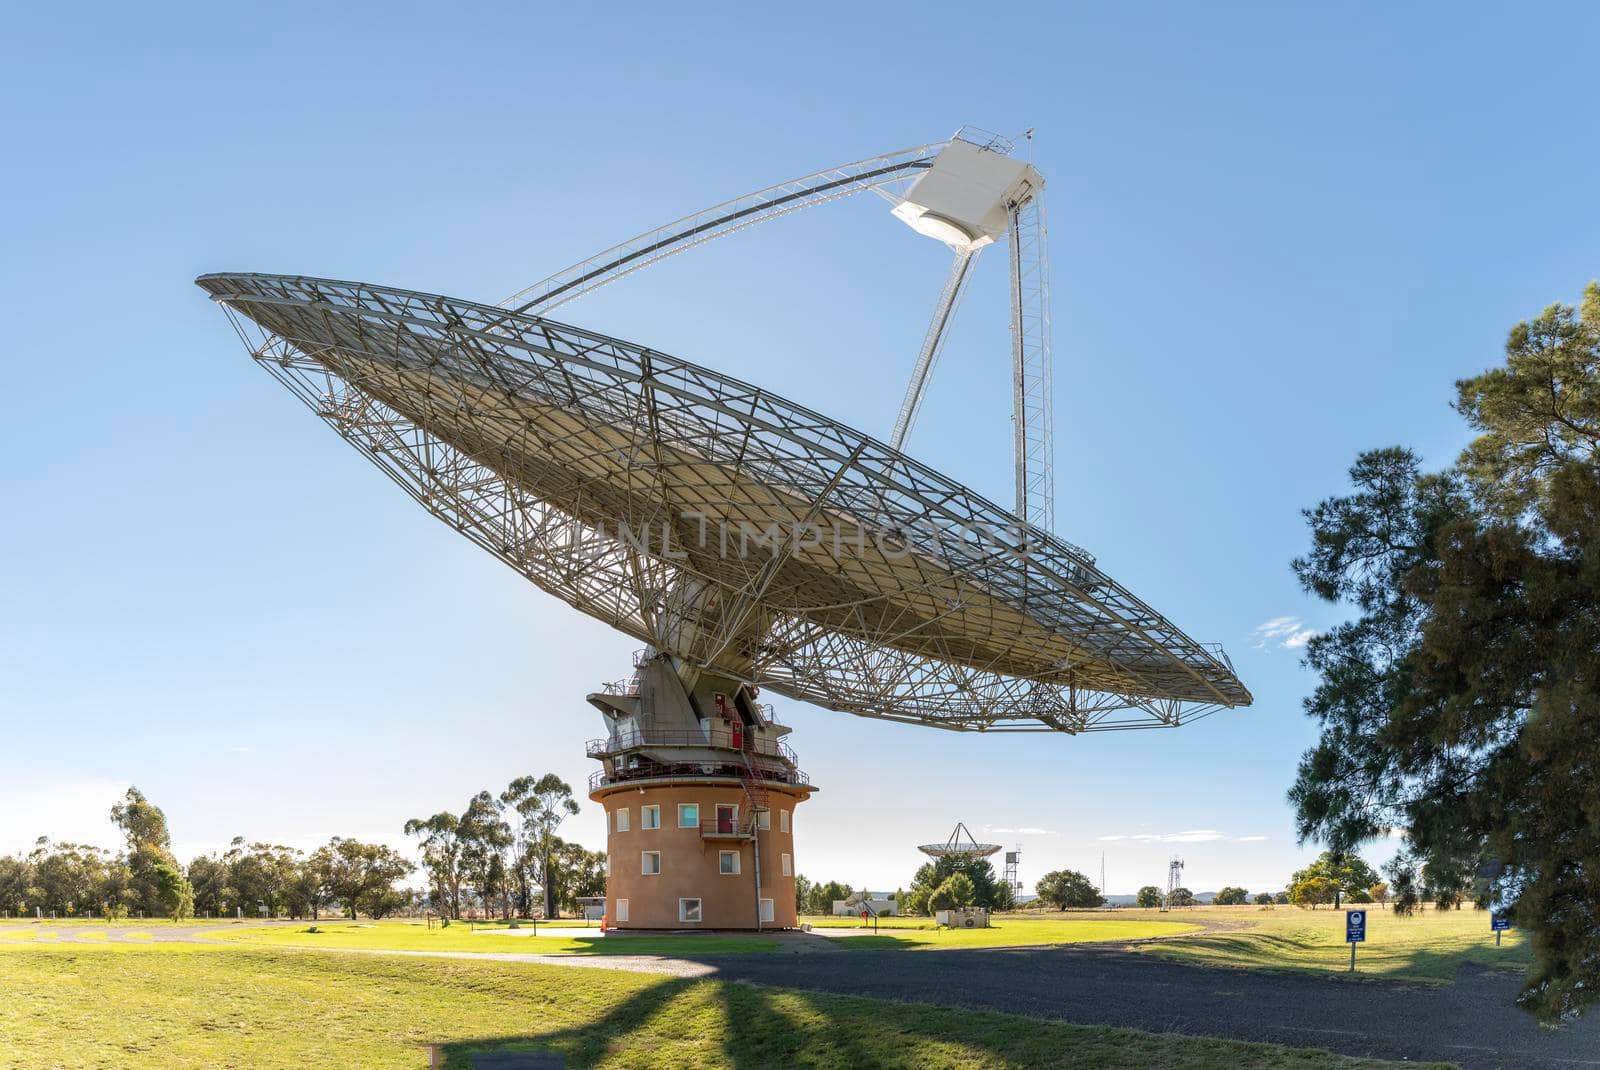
{"x": 753, "y": 1027}
{"x": 1310, "y": 952}
{"x": 584, "y": 1045}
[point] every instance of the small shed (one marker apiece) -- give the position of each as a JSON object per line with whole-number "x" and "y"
{"x": 963, "y": 918}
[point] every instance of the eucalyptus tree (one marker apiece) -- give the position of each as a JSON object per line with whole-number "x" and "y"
{"x": 484, "y": 837}
{"x": 542, "y": 804}
{"x": 156, "y": 883}
{"x": 439, "y": 837}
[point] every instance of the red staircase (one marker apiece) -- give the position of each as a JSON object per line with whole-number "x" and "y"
{"x": 757, "y": 796}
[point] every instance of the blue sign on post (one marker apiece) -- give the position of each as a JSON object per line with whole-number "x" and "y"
{"x": 1499, "y": 921}
{"x": 1355, "y": 932}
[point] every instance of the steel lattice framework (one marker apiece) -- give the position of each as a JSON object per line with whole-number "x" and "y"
{"x": 660, "y": 497}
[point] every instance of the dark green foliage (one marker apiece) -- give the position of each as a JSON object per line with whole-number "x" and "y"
{"x": 440, "y": 838}
{"x": 931, "y": 875}
{"x": 16, "y": 877}
{"x": 541, "y": 804}
{"x": 1345, "y": 874}
{"x": 1231, "y": 897}
{"x": 74, "y": 879}
{"x": 824, "y": 894}
{"x": 157, "y": 885}
{"x": 1149, "y": 897}
{"x": 802, "y": 892}
{"x": 956, "y": 891}
{"x": 575, "y": 871}
{"x": 1462, "y": 704}
{"x": 1064, "y": 888}
{"x": 360, "y": 875}
{"x": 484, "y": 837}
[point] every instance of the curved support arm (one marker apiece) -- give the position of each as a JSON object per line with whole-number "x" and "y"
{"x": 719, "y": 220}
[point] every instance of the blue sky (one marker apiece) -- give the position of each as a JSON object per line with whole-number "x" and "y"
{"x": 1277, "y": 236}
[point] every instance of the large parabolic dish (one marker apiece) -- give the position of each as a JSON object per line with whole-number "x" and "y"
{"x": 716, "y": 522}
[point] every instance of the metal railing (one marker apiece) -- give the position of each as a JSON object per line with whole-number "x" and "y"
{"x": 751, "y": 744}
{"x": 647, "y": 771}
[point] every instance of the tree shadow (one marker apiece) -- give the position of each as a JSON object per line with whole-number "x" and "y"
{"x": 762, "y": 1034}
{"x": 582, "y": 1046}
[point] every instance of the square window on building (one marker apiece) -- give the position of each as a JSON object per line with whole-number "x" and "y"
{"x": 688, "y": 815}
{"x": 728, "y": 863}
{"x": 623, "y": 821}
{"x": 649, "y": 817}
{"x": 622, "y": 910}
{"x": 689, "y": 910}
{"x": 649, "y": 863}
{"x": 788, "y": 865}
{"x": 764, "y": 820}
{"x": 783, "y": 820}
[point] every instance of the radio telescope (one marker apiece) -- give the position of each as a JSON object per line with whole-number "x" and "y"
{"x": 959, "y": 845}
{"x": 747, "y": 541}
{"x": 645, "y": 490}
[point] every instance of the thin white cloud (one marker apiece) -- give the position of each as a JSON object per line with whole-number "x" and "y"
{"x": 242, "y": 750}
{"x": 1024, "y": 831}
{"x": 1252, "y": 839}
{"x": 1282, "y": 633}
{"x": 1191, "y": 836}
{"x": 1108, "y": 839}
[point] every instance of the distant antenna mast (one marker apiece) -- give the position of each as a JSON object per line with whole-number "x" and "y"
{"x": 1013, "y": 860}
{"x": 1102, "y": 853}
{"x": 1174, "y": 881}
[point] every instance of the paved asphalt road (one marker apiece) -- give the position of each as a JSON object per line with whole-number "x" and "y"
{"x": 1472, "y": 1022}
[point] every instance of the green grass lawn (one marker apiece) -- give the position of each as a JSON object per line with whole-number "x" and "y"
{"x": 417, "y": 936}
{"x": 224, "y": 1005}
{"x": 904, "y": 933}
{"x": 1007, "y": 931}
{"x": 1428, "y": 946}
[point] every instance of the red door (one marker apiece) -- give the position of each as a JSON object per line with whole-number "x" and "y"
{"x": 738, "y": 735}
{"x": 725, "y": 819}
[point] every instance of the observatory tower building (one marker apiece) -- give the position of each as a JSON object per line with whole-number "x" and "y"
{"x": 699, "y": 791}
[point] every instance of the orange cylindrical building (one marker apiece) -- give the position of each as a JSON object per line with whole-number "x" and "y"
{"x": 699, "y": 792}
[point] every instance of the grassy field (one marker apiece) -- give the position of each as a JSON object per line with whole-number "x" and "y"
{"x": 1428, "y": 946}
{"x": 1007, "y": 931}
{"x": 907, "y": 934}
{"x": 417, "y": 936}
{"x": 224, "y": 1005}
